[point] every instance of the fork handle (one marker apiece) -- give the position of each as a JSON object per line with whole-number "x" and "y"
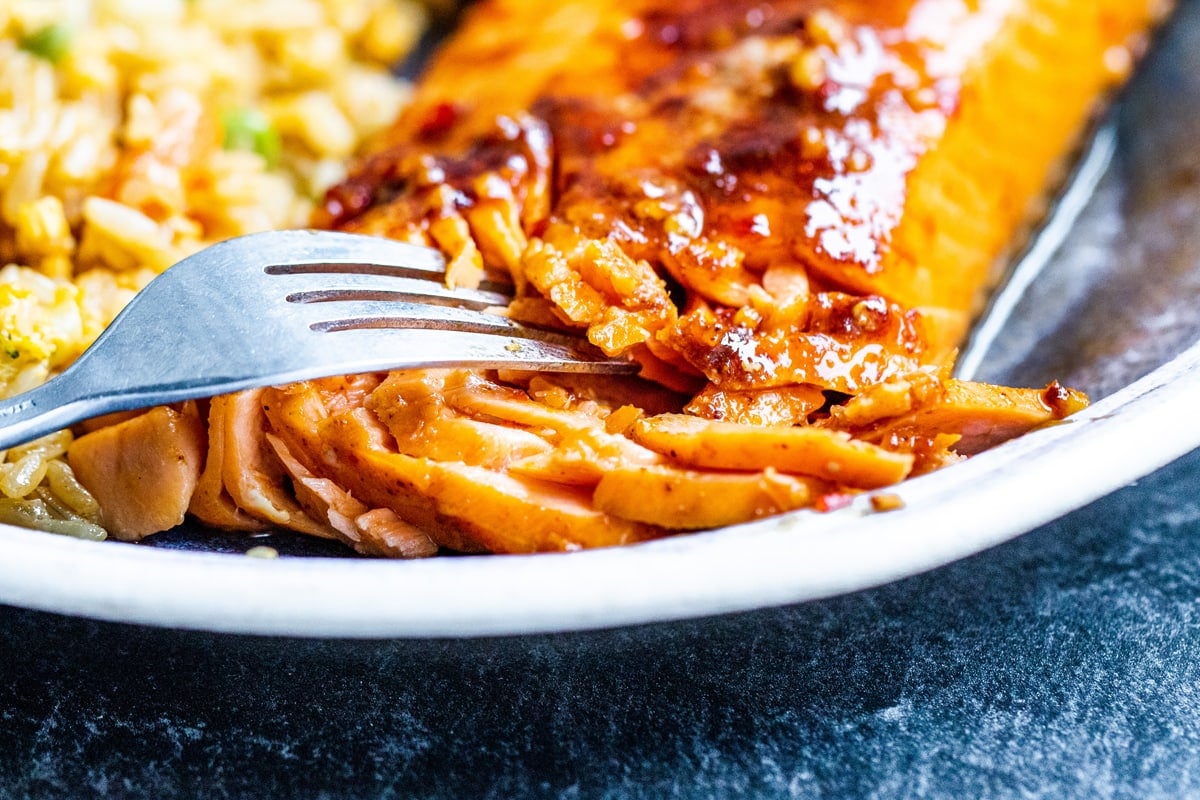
{"x": 78, "y": 393}
{"x": 54, "y": 405}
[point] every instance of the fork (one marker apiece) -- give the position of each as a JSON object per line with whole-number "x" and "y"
{"x": 286, "y": 306}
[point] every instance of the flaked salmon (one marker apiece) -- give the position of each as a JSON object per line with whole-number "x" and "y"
{"x": 786, "y": 211}
{"x": 145, "y": 469}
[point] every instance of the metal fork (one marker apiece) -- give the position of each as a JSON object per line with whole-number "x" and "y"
{"x": 286, "y": 306}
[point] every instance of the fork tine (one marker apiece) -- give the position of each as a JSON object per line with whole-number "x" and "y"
{"x": 451, "y": 321}
{"x": 350, "y": 314}
{"x": 492, "y": 283}
{"x": 331, "y": 251}
{"x": 368, "y": 349}
{"x": 360, "y": 287}
{"x": 335, "y": 253}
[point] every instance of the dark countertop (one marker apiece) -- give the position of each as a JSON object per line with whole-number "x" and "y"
{"x": 1063, "y": 664}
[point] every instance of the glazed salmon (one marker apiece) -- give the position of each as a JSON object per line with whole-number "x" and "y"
{"x": 889, "y": 149}
{"x": 787, "y": 211}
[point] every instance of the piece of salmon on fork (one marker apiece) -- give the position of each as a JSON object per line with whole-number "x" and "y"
{"x": 786, "y": 211}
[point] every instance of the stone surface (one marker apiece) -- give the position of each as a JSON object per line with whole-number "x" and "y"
{"x": 1060, "y": 665}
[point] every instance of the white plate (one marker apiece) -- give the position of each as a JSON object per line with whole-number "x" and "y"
{"x": 1111, "y": 314}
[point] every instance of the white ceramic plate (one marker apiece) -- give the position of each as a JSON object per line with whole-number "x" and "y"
{"x": 802, "y": 556}
{"x": 1111, "y": 312}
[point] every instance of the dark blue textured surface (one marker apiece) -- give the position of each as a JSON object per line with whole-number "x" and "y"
{"x": 1064, "y": 664}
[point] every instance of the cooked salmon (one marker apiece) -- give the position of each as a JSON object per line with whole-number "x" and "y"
{"x": 787, "y": 211}
{"x": 143, "y": 471}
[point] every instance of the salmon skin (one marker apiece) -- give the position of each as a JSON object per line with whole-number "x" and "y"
{"x": 787, "y": 212}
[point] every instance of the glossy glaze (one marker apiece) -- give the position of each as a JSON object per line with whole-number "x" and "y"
{"x": 736, "y": 136}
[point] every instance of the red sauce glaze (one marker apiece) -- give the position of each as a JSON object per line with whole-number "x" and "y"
{"x": 816, "y": 155}
{"x": 733, "y": 137}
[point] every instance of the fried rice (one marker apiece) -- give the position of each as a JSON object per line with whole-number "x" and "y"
{"x": 136, "y": 132}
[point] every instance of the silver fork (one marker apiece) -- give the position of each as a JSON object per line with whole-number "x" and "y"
{"x": 286, "y": 306}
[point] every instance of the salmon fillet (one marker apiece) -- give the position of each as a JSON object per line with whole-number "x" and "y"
{"x": 874, "y": 148}
{"x": 787, "y": 212}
